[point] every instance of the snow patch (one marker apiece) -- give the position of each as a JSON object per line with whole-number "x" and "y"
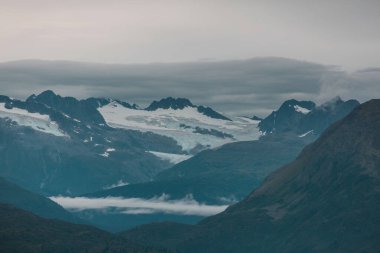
{"x": 105, "y": 154}
{"x": 301, "y": 109}
{"x": 117, "y": 184}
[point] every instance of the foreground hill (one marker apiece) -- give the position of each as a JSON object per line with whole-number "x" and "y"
{"x": 23, "y": 232}
{"x": 327, "y": 200}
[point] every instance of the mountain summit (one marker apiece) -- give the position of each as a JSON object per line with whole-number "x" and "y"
{"x": 302, "y": 117}
{"x": 182, "y": 103}
{"x": 170, "y": 103}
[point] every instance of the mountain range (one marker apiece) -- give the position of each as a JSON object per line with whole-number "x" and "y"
{"x": 326, "y": 200}
{"x": 303, "y": 179}
{"x": 100, "y": 147}
{"x": 224, "y": 175}
{"x": 75, "y": 147}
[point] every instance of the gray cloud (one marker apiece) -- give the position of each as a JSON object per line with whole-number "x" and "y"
{"x": 185, "y": 206}
{"x": 362, "y": 85}
{"x": 239, "y": 87}
{"x": 243, "y": 87}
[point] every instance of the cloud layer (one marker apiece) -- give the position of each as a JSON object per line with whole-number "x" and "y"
{"x": 243, "y": 87}
{"x": 185, "y": 206}
{"x": 240, "y": 87}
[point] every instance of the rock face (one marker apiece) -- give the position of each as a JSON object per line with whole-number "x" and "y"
{"x": 327, "y": 200}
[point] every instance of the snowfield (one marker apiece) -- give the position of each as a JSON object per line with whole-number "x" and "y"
{"x": 187, "y": 126}
{"x": 37, "y": 121}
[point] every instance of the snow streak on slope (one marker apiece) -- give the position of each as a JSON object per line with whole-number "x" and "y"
{"x": 172, "y": 158}
{"x": 187, "y": 126}
{"x": 305, "y": 134}
{"x": 37, "y": 121}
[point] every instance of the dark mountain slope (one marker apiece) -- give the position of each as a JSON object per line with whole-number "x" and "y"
{"x": 327, "y": 200}
{"x": 224, "y": 187}
{"x": 23, "y": 232}
{"x": 218, "y": 176}
{"x": 13, "y": 195}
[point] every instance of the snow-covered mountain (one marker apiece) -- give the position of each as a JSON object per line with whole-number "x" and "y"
{"x": 64, "y": 146}
{"x": 193, "y": 127}
{"x": 47, "y": 141}
{"x": 101, "y": 141}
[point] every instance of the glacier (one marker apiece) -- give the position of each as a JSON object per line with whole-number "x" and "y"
{"x": 187, "y": 126}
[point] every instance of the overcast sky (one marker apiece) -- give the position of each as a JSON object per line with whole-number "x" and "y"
{"x": 334, "y": 32}
{"x": 218, "y": 53}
